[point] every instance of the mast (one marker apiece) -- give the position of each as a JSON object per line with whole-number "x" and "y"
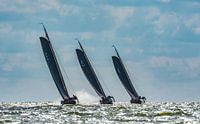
{"x": 116, "y": 52}
{"x": 46, "y": 34}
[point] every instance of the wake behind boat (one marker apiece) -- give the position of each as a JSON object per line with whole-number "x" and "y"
{"x": 125, "y": 79}
{"x": 91, "y": 76}
{"x": 55, "y": 70}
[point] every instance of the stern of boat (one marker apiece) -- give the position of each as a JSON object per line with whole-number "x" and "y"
{"x": 72, "y": 100}
{"x": 139, "y": 100}
{"x": 107, "y": 100}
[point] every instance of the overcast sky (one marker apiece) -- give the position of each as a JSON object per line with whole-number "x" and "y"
{"x": 158, "y": 41}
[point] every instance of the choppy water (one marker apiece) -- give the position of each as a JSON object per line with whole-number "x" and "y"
{"x": 148, "y": 113}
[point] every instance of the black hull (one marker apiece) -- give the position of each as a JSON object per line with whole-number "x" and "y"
{"x": 138, "y": 101}
{"x": 70, "y": 102}
{"x": 107, "y": 100}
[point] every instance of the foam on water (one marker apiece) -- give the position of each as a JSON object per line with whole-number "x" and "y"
{"x": 148, "y": 113}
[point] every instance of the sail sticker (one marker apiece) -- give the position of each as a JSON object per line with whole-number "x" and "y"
{"x": 46, "y": 55}
{"x": 118, "y": 70}
{"x": 82, "y": 63}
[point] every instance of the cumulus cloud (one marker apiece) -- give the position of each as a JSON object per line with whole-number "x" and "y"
{"x": 167, "y": 23}
{"x": 121, "y": 13}
{"x": 166, "y": 1}
{"x": 5, "y": 28}
{"x": 184, "y": 66}
{"x": 14, "y": 61}
{"x": 193, "y": 23}
{"x": 152, "y": 13}
{"x": 9, "y": 33}
{"x": 119, "y": 16}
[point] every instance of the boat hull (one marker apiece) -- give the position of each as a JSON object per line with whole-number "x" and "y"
{"x": 72, "y": 102}
{"x": 138, "y": 101}
{"x": 107, "y": 100}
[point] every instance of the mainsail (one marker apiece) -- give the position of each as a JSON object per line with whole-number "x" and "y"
{"x": 91, "y": 76}
{"x": 89, "y": 72}
{"x": 123, "y": 76}
{"x": 53, "y": 66}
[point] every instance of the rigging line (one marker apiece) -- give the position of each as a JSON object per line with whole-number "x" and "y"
{"x": 65, "y": 73}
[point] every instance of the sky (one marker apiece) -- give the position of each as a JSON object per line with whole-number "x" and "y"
{"x": 158, "y": 41}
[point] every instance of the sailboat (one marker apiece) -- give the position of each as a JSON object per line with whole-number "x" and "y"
{"x": 55, "y": 71}
{"x": 91, "y": 76}
{"x": 125, "y": 79}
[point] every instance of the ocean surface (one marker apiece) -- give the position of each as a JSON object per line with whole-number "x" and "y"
{"x": 125, "y": 113}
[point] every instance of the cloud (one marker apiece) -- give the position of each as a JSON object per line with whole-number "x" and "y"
{"x": 10, "y": 34}
{"x": 183, "y": 66}
{"x": 119, "y": 16}
{"x": 166, "y": 1}
{"x": 191, "y": 4}
{"x": 28, "y": 89}
{"x": 59, "y": 35}
{"x": 167, "y": 23}
{"x": 193, "y": 23}
{"x": 121, "y": 13}
{"x": 154, "y": 89}
{"x": 21, "y": 51}
{"x": 87, "y": 35}
{"x": 29, "y": 7}
{"x": 152, "y": 13}
{"x": 5, "y": 28}
{"x": 17, "y": 61}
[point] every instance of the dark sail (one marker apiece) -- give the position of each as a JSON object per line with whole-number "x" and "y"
{"x": 91, "y": 76}
{"x": 125, "y": 79}
{"x": 89, "y": 72}
{"x": 123, "y": 76}
{"x": 55, "y": 69}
